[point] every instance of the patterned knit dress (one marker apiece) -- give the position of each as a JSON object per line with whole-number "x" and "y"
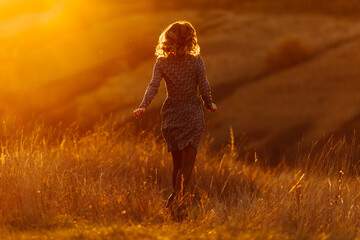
{"x": 187, "y": 90}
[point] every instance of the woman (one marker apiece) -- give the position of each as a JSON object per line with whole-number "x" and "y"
{"x": 180, "y": 64}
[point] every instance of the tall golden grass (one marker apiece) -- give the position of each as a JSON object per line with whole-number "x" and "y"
{"x": 51, "y": 178}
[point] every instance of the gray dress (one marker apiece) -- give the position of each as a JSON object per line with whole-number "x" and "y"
{"x": 182, "y": 114}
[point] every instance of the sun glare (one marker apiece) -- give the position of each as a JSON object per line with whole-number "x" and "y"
{"x": 44, "y": 42}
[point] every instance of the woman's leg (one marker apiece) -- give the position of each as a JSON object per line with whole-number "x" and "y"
{"x": 177, "y": 158}
{"x": 188, "y": 156}
{"x": 177, "y": 163}
{"x": 184, "y": 174}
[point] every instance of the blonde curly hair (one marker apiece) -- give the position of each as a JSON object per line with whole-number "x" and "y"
{"x": 178, "y": 39}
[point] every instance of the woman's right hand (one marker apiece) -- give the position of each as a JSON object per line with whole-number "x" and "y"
{"x": 138, "y": 112}
{"x": 214, "y": 107}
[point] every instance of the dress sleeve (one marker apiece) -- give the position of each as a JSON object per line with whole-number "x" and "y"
{"x": 153, "y": 86}
{"x": 204, "y": 86}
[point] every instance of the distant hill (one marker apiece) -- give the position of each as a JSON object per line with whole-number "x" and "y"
{"x": 277, "y": 78}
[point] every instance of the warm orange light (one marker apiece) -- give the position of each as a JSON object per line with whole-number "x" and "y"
{"x": 54, "y": 52}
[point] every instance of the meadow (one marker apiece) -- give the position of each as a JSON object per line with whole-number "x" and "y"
{"x": 278, "y": 160}
{"x": 112, "y": 182}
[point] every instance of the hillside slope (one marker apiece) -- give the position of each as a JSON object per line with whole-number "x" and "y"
{"x": 276, "y": 78}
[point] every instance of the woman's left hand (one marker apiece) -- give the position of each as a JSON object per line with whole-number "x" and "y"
{"x": 213, "y": 107}
{"x": 138, "y": 112}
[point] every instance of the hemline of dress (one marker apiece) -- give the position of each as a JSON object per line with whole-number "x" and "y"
{"x": 191, "y": 142}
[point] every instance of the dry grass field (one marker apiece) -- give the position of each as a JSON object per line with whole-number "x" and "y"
{"x": 278, "y": 160}
{"x": 112, "y": 183}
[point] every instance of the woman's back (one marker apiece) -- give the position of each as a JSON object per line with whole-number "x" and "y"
{"x": 182, "y": 75}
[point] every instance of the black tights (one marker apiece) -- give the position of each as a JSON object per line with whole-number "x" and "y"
{"x": 183, "y": 164}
